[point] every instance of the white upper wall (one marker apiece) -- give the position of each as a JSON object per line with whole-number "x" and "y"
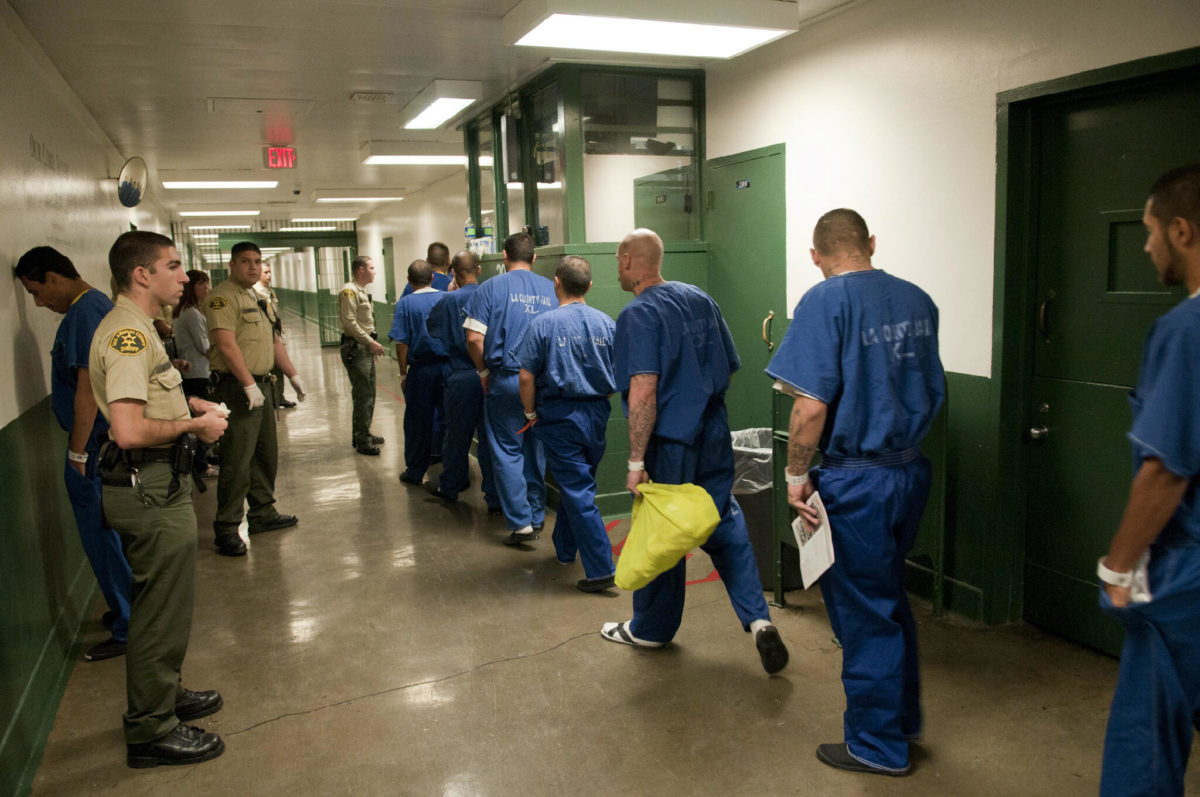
{"x": 55, "y": 164}
{"x": 890, "y": 108}
{"x": 435, "y": 213}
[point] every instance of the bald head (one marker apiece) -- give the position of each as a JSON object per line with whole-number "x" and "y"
{"x": 639, "y": 260}
{"x": 465, "y": 266}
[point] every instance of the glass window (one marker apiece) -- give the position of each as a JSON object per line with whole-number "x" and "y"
{"x": 485, "y": 242}
{"x": 514, "y": 187}
{"x": 639, "y": 161}
{"x": 549, "y": 164}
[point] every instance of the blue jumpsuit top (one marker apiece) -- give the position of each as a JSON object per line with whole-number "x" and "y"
{"x": 72, "y": 344}
{"x": 675, "y": 330}
{"x": 440, "y": 283}
{"x": 408, "y": 327}
{"x": 505, "y": 305}
{"x": 1166, "y": 411}
{"x": 569, "y": 350}
{"x": 445, "y": 325}
{"x": 865, "y": 344}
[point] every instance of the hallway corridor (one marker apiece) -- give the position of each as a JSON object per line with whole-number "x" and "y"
{"x": 390, "y": 644}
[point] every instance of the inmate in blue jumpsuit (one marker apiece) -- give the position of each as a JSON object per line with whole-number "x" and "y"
{"x": 101, "y": 544}
{"x": 426, "y": 377}
{"x": 463, "y": 399}
{"x": 441, "y": 282}
{"x": 569, "y": 351}
{"x": 865, "y": 344}
{"x": 1157, "y": 700}
{"x": 676, "y": 331}
{"x": 501, "y": 309}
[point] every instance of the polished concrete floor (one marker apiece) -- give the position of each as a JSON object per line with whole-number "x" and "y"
{"x": 392, "y": 645}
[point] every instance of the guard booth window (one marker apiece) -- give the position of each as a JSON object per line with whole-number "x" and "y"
{"x": 639, "y": 156}
{"x": 549, "y": 164}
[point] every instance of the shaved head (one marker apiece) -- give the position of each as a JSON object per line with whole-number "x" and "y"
{"x": 644, "y": 246}
{"x": 841, "y": 230}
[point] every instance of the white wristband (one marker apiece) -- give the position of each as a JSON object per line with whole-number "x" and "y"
{"x": 796, "y": 481}
{"x": 80, "y": 458}
{"x": 485, "y": 372}
{"x": 637, "y": 464}
{"x": 1112, "y": 576}
{"x": 529, "y": 416}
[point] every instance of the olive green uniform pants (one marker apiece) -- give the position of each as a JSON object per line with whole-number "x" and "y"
{"x": 158, "y": 535}
{"x": 249, "y": 459}
{"x": 360, "y": 366}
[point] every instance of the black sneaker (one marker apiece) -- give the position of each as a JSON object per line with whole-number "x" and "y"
{"x": 771, "y": 650}
{"x": 108, "y": 649}
{"x": 191, "y": 705}
{"x": 594, "y": 584}
{"x": 184, "y": 745}
{"x": 520, "y": 537}
{"x": 838, "y": 756}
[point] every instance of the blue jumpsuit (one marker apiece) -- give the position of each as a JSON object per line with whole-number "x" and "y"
{"x": 676, "y": 331}
{"x": 501, "y": 309}
{"x": 569, "y": 351}
{"x": 426, "y": 377}
{"x": 865, "y": 344}
{"x": 101, "y": 544}
{"x": 463, "y": 399}
{"x": 1157, "y": 700}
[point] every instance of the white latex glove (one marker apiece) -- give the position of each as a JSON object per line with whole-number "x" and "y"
{"x": 298, "y": 386}
{"x": 222, "y": 410}
{"x": 254, "y": 395}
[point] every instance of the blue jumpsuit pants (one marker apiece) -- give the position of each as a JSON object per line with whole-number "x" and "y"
{"x": 463, "y": 401}
{"x": 1157, "y": 701}
{"x": 875, "y": 513}
{"x": 518, "y": 460}
{"x": 707, "y": 462}
{"x": 572, "y": 433}
{"x": 101, "y": 545}
{"x": 422, "y": 392}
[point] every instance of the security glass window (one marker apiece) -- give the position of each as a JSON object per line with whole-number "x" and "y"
{"x": 549, "y": 164}
{"x": 513, "y": 180}
{"x": 639, "y": 157}
{"x": 485, "y": 243}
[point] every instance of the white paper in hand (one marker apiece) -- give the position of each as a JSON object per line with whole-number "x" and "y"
{"x": 816, "y": 547}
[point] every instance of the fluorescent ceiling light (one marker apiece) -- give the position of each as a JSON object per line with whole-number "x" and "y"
{"x": 307, "y": 229}
{"x": 346, "y": 218}
{"x": 416, "y": 160}
{"x": 219, "y": 212}
{"x": 219, "y": 227}
{"x": 361, "y": 199}
{"x": 664, "y": 27}
{"x": 175, "y": 184}
{"x": 412, "y": 153}
{"x": 441, "y": 101}
{"x": 207, "y": 235}
{"x": 521, "y": 186}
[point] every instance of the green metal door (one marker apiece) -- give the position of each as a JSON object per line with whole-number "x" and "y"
{"x": 1096, "y": 297}
{"x": 665, "y": 202}
{"x": 745, "y": 225}
{"x": 389, "y": 271}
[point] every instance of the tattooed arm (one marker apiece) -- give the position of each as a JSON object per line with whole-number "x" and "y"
{"x": 643, "y": 412}
{"x": 804, "y": 433}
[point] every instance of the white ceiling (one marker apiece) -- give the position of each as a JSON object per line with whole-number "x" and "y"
{"x": 146, "y": 69}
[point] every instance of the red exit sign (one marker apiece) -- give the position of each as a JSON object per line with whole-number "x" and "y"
{"x": 279, "y": 157}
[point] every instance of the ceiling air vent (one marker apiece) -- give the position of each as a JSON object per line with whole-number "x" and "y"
{"x": 377, "y": 97}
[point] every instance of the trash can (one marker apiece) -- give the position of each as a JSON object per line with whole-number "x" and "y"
{"x": 752, "y": 483}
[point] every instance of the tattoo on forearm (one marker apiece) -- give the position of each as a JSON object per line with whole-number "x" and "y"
{"x": 800, "y": 455}
{"x": 641, "y": 424}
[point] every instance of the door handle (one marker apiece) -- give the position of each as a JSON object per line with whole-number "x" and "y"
{"x": 1043, "y": 315}
{"x": 1039, "y": 433}
{"x": 766, "y": 330}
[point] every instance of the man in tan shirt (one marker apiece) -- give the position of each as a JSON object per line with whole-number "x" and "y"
{"x": 147, "y": 496}
{"x": 244, "y": 348}
{"x": 359, "y": 350}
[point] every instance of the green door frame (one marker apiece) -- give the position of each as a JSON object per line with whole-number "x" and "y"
{"x": 1013, "y": 294}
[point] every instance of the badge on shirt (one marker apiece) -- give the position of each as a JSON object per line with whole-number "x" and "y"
{"x": 127, "y": 341}
{"x": 217, "y": 302}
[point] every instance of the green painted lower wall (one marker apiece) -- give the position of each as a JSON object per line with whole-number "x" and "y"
{"x": 46, "y": 587}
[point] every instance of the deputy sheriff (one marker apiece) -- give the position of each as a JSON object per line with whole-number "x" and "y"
{"x": 147, "y": 497}
{"x": 244, "y": 347}
{"x": 269, "y": 302}
{"x": 359, "y": 349}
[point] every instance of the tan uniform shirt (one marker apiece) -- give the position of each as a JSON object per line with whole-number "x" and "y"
{"x": 357, "y": 312}
{"x": 235, "y": 308}
{"x": 127, "y": 361}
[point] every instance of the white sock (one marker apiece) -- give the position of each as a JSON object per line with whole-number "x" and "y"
{"x": 758, "y": 625}
{"x": 524, "y": 530}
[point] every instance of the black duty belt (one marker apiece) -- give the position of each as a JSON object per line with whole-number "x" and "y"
{"x": 226, "y": 376}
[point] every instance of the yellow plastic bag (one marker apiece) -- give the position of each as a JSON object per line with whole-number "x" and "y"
{"x": 668, "y": 521}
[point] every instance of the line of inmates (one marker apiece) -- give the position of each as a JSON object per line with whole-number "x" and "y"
{"x": 545, "y": 373}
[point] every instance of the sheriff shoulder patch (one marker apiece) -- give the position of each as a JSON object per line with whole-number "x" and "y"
{"x": 128, "y": 341}
{"x": 348, "y": 293}
{"x": 217, "y": 303}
